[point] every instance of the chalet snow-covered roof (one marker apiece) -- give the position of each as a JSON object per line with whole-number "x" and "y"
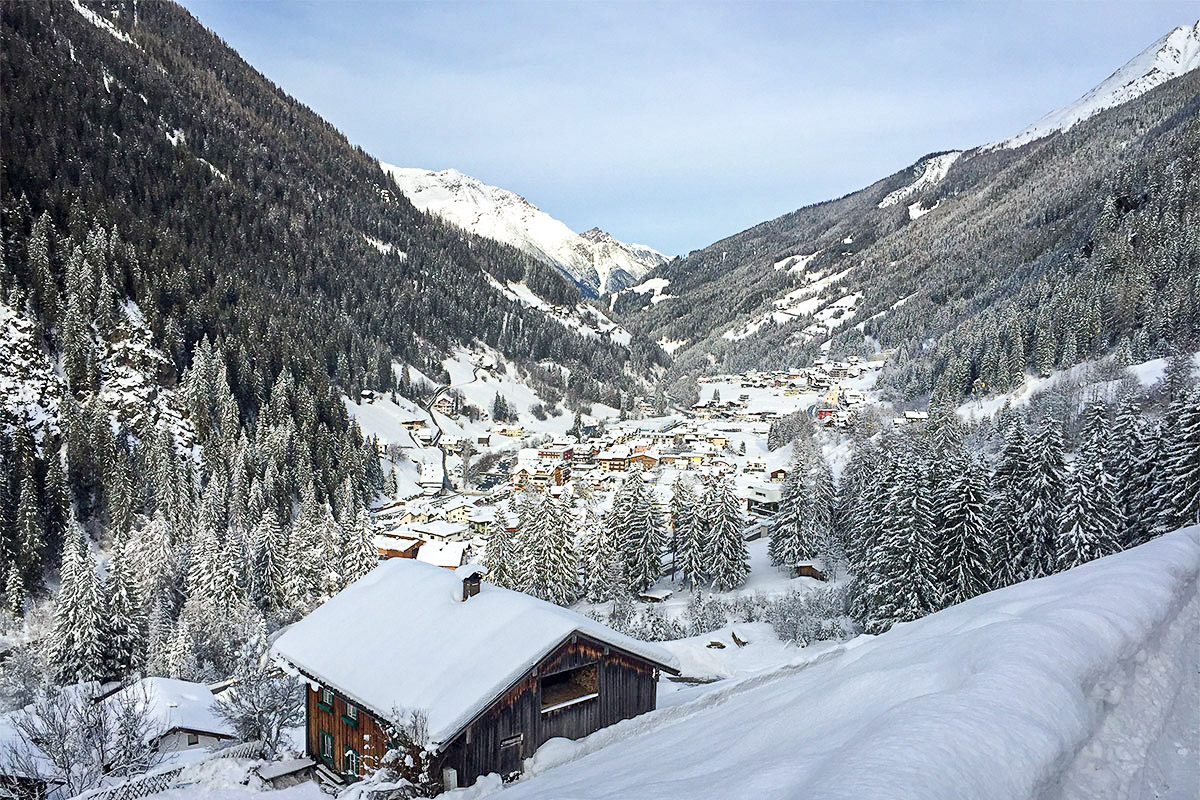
{"x": 401, "y": 638}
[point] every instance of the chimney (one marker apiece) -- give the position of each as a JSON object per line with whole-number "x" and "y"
{"x": 472, "y": 578}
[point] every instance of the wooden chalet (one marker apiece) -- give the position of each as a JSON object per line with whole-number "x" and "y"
{"x": 496, "y": 672}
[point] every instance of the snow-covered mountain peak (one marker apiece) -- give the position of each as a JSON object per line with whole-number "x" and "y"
{"x": 1173, "y": 55}
{"x": 595, "y": 260}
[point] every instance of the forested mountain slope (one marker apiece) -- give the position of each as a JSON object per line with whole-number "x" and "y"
{"x": 195, "y": 269}
{"x": 249, "y": 218}
{"x": 974, "y": 266}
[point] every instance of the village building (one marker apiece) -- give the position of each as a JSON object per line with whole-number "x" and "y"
{"x": 179, "y": 712}
{"x": 496, "y": 673}
{"x": 615, "y": 459}
{"x": 390, "y": 545}
{"x": 438, "y": 530}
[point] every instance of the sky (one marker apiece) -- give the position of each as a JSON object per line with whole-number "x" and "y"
{"x": 677, "y": 124}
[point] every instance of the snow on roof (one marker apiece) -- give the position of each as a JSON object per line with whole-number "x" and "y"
{"x": 177, "y": 705}
{"x": 442, "y": 554}
{"x": 450, "y": 657}
{"x": 438, "y": 527}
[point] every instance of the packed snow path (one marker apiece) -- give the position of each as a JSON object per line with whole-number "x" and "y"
{"x": 1065, "y": 687}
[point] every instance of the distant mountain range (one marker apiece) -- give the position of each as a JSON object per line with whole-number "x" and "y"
{"x": 1074, "y": 238}
{"x": 1171, "y": 56}
{"x": 596, "y": 261}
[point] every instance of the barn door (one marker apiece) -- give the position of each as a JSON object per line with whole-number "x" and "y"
{"x": 510, "y": 756}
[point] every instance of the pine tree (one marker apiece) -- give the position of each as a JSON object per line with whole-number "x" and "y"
{"x": 499, "y": 556}
{"x": 359, "y": 555}
{"x": 14, "y": 592}
{"x": 1008, "y": 483}
{"x": 1136, "y": 463}
{"x": 968, "y": 552}
{"x": 31, "y": 534}
{"x": 904, "y": 564}
{"x": 271, "y": 563}
{"x": 123, "y": 626}
{"x": 730, "y": 557}
{"x": 1179, "y": 497}
{"x": 793, "y": 526}
{"x": 1090, "y": 524}
{"x": 1043, "y": 501}
{"x": 644, "y": 536}
{"x": 78, "y": 654}
{"x": 560, "y": 558}
{"x": 602, "y": 560}
{"x": 57, "y": 507}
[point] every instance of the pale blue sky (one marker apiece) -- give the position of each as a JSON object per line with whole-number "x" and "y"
{"x": 676, "y": 124}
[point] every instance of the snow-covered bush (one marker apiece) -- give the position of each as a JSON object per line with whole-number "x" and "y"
{"x": 703, "y": 615}
{"x": 264, "y": 702}
{"x": 74, "y": 741}
{"x": 810, "y": 616}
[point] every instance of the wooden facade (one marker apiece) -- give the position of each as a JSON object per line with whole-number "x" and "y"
{"x": 517, "y": 723}
{"x": 540, "y": 706}
{"x": 362, "y": 736}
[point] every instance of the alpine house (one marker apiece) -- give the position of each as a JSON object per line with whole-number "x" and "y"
{"x": 495, "y": 672}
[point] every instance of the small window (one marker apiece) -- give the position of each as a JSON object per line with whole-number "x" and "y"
{"x": 325, "y": 747}
{"x": 193, "y": 739}
{"x": 350, "y": 762}
{"x": 325, "y": 699}
{"x": 569, "y": 687}
{"x": 350, "y": 715}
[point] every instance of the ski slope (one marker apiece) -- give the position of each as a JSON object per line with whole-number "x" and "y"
{"x": 1080, "y": 685}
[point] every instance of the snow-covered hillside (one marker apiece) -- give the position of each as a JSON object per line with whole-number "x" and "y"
{"x": 595, "y": 260}
{"x": 1079, "y": 685}
{"x": 1171, "y": 56}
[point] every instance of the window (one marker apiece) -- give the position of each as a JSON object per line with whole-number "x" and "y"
{"x": 350, "y": 762}
{"x": 325, "y": 747}
{"x": 193, "y": 739}
{"x": 350, "y": 714}
{"x": 569, "y": 687}
{"x": 325, "y": 699}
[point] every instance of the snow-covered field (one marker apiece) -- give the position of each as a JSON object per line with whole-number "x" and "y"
{"x": 1079, "y": 685}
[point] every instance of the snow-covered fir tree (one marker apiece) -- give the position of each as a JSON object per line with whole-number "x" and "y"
{"x": 498, "y": 555}
{"x": 729, "y": 562}
{"x": 967, "y": 553}
{"x": 77, "y": 652}
{"x": 1043, "y": 501}
{"x": 601, "y": 559}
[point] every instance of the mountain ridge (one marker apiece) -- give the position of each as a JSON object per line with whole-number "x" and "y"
{"x": 596, "y": 261}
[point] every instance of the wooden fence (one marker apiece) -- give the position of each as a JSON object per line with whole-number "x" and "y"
{"x": 146, "y": 785}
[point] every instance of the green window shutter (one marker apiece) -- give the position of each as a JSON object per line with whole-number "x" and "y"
{"x": 325, "y": 747}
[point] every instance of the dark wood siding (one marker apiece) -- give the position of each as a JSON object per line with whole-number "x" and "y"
{"x": 366, "y": 738}
{"x": 626, "y": 687}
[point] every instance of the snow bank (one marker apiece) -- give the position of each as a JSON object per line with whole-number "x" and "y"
{"x": 1059, "y": 687}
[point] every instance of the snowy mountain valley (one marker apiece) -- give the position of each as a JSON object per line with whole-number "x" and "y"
{"x": 321, "y": 477}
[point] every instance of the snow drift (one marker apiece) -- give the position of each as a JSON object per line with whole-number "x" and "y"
{"x": 1060, "y": 687}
